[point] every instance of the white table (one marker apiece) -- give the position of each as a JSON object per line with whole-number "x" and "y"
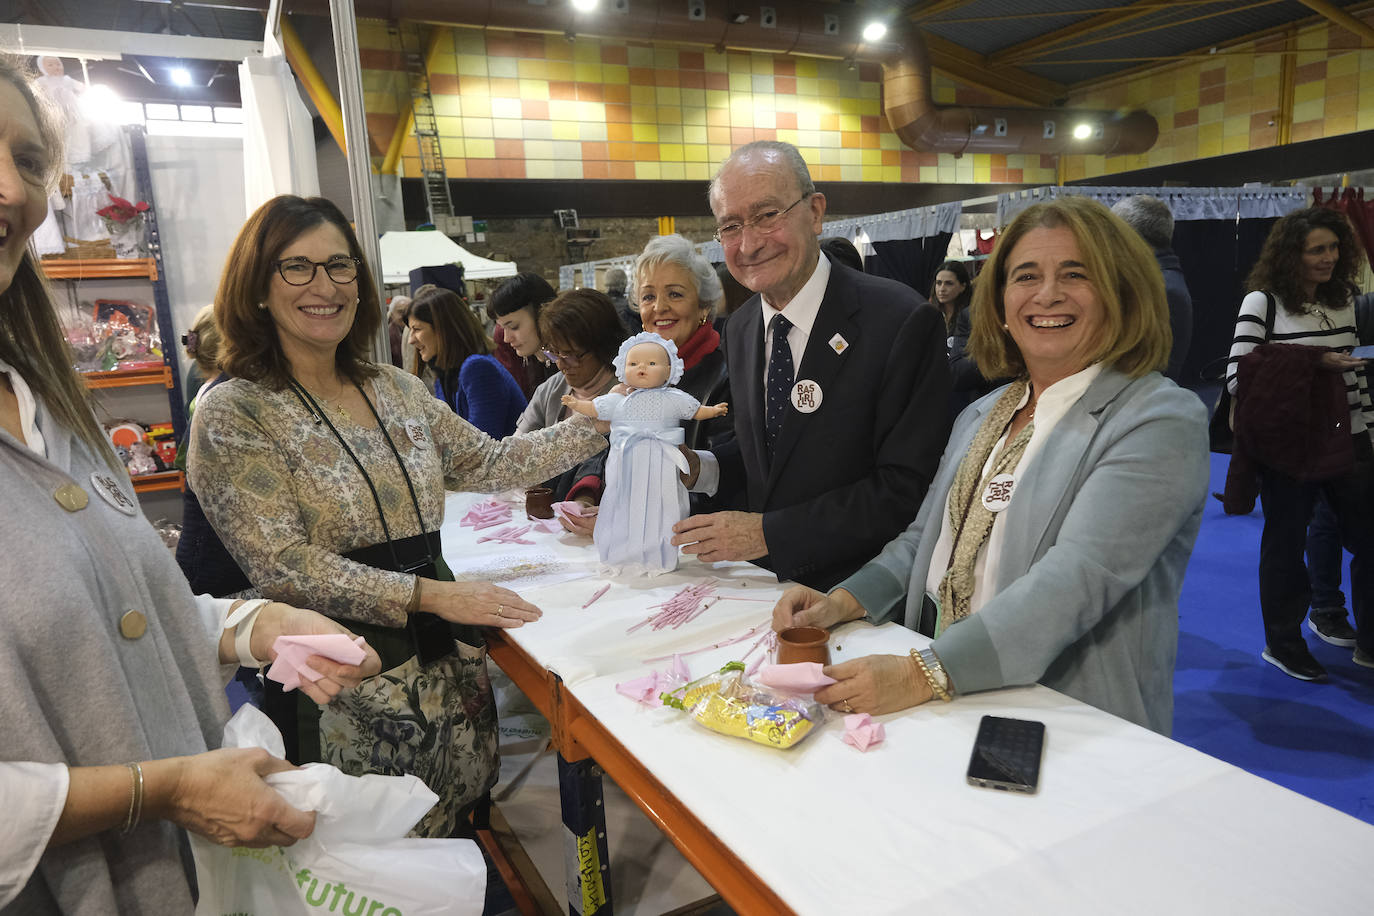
{"x": 1125, "y": 821}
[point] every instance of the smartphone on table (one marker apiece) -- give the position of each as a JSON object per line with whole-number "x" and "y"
{"x": 1007, "y": 754}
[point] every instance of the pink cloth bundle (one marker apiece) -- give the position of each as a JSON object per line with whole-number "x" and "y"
{"x": 647, "y": 689}
{"x": 290, "y": 668}
{"x": 801, "y": 677}
{"x": 862, "y": 732}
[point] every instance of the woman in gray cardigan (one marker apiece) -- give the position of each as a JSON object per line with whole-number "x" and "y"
{"x": 1052, "y": 544}
{"x": 111, "y": 671}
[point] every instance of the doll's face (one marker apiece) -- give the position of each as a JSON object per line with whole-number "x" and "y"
{"x": 647, "y": 366}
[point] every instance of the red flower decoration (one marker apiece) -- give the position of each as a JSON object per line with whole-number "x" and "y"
{"x": 121, "y": 211}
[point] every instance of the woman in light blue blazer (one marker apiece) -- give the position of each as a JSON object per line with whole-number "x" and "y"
{"x": 1052, "y": 544}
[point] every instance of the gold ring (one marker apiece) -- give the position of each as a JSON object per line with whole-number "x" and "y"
{"x": 845, "y": 707}
{"x": 500, "y": 610}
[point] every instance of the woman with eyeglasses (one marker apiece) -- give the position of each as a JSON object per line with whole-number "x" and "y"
{"x": 466, "y": 377}
{"x": 582, "y": 331}
{"x": 324, "y": 474}
{"x": 1302, "y": 293}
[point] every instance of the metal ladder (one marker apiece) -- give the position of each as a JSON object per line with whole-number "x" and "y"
{"x": 437, "y": 198}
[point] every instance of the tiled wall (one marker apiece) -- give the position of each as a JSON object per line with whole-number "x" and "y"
{"x": 518, "y": 105}
{"x": 1231, "y": 104}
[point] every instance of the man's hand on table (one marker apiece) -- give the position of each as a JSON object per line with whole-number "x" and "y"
{"x": 721, "y": 536}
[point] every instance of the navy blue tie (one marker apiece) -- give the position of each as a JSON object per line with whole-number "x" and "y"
{"x": 778, "y": 391}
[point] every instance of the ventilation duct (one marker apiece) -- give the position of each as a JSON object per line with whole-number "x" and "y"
{"x": 803, "y": 27}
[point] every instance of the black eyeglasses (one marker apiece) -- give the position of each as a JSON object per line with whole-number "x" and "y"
{"x": 301, "y": 271}
{"x": 763, "y": 223}
{"x": 568, "y": 359}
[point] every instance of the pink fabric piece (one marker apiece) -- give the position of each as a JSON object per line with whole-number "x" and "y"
{"x": 486, "y": 513}
{"x": 570, "y": 507}
{"x": 802, "y": 677}
{"x": 290, "y": 667}
{"x": 646, "y": 689}
{"x": 862, "y": 732}
{"x": 548, "y": 525}
{"x": 508, "y": 535}
{"x": 680, "y": 669}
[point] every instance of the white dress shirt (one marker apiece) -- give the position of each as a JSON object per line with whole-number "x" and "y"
{"x": 1054, "y": 402}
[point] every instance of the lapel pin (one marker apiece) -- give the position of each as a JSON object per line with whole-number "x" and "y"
{"x": 839, "y": 344}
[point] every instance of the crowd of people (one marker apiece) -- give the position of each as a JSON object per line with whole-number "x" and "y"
{"x": 1006, "y": 467}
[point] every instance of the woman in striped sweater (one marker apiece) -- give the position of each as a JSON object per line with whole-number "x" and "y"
{"x": 1306, "y": 269}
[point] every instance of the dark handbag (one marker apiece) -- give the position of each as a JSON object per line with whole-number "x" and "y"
{"x": 1221, "y": 437}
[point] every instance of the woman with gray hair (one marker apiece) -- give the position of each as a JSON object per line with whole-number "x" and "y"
{"x": 677, "y": 293}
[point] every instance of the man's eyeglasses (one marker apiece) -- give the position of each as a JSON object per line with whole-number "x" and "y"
{"x": 301, "y": 271}
{"x": 763, "y": 223}
{"x": 568, "y": 359}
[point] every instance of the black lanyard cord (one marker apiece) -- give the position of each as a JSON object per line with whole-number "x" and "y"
{"x": 312, "y": 406}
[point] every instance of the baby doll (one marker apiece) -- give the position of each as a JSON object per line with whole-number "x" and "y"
{"x": 644, "y": 497}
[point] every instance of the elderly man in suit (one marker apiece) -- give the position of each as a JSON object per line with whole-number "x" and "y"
{"x": 839, "y": 387}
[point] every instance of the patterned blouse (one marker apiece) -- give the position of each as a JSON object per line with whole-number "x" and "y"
{"x": 287, "y": 501}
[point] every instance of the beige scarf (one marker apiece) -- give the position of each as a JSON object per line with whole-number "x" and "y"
{"x": 970, "y": 520}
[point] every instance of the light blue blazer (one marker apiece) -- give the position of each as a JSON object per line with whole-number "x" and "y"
{"x": 1097, "y": 539}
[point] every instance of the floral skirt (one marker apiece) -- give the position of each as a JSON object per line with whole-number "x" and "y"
{"x": 437, "y": 721}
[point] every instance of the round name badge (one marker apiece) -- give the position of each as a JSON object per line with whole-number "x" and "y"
{"x": 418, "y": 434}
{"x": 997, "y": 495}
{"x": 108, "y": 489}
{"x": 806, "y": 396}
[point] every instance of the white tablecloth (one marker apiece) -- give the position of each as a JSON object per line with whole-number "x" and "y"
{"x": 1125, "y": 821}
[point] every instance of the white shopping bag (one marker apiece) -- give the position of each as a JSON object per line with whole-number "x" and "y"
{"x": 358, "y": 860}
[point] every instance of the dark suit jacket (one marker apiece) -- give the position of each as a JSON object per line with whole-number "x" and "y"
{"x": 849, "y": 477}
{"x": 1180, "y": 310}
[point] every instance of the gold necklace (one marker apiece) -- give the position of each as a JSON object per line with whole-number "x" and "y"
{"x": 332, "y": 401}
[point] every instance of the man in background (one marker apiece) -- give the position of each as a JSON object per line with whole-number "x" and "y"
{"x": 1152, "y": 218}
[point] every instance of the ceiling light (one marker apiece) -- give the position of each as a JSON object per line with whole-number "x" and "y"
{"x": 874, "y": 31}
{"x": 1082, "y": 131}
{"x": 584, "y": 6}
{"x": 181, "y": 76}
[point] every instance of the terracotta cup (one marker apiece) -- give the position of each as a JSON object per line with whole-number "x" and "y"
{"x": 803, "y": 644}
{"x": 539, "y": 502}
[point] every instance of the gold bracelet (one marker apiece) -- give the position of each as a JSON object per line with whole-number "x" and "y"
{"x": 936, "y": 687}
{"x": 135, "y": 798}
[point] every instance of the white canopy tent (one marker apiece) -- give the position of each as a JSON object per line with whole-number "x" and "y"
{"x": 402, "y": 252}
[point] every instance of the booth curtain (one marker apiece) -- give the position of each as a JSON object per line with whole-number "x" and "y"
{"x": 1360, "y": 212}
{"x": 909, "y": 261}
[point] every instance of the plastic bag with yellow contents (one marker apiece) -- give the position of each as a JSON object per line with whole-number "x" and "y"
{"x": 729, "y": 703}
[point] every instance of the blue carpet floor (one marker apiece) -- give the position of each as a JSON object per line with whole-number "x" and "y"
{"x": 1316, "y": 739}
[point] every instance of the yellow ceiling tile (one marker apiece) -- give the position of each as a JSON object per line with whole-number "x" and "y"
{"x": 534, "y": 90}
{"x": 472, "y": 65}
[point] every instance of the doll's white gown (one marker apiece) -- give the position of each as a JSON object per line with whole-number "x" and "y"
{"x": 643, "y": 497}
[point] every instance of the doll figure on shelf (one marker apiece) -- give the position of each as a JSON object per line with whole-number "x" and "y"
{"x": 644, "y": 497}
